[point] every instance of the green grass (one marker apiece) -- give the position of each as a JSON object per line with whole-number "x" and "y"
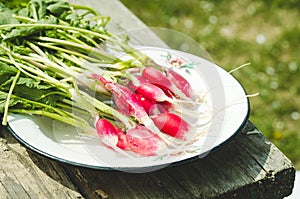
{"x": 264, "y": 33}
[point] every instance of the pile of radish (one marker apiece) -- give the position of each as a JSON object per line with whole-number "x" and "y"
{"x": 59, "y": 61}
{"x": 153, "y": 99}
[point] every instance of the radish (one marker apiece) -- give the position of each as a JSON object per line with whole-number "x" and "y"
{"x": 139, "y": 80}
{"x": 109, "y": 135}
{"x": 124, "y": 98}
{"x": 172, "y": 124}
{"x": 156, "y": 77}
{"x": 167, "y": 91}
{"x": 152, "y": 92}
{"x": 156, "y": 94}
{"x": 147, "y": 104}
{"x": 129, "y": 99}
{"x": 123, "y": 108}
{"x": 180, "y": 82}
{"x": 122, "y": 142}
{"x": 144, "y": 142}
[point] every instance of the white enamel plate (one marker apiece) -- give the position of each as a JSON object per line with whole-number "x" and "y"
{"x": 223, "y": 94}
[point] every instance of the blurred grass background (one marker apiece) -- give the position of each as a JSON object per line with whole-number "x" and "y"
{"x": 264, "y": 33}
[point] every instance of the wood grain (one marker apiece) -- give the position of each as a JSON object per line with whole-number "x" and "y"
{"x": 21, "y": 178}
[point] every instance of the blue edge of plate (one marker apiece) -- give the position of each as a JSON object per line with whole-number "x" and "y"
{"x": 133, "y": 168}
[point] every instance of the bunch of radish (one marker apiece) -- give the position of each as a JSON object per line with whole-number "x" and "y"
{"x": 152, "y": 98}
{"x": 60, "y": 59}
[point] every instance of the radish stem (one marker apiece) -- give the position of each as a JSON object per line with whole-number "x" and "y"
{"x": 4, "y": 120}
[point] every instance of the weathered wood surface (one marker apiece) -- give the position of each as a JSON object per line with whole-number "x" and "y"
{"x": 248, "y": 166}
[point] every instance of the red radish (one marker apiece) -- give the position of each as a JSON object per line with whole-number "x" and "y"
{"x": 167, "y": 91}
{"x": 144, "y": 142}
{"x": 125, "y": 95}
{"x": 147, "y": 104}
{"x": 122, "y": 142}
{"x": 123, "y": 108}
{"x": 156, "y": 94}
{"x": 105, "y": 128}
{"x": 180, "y": 82}
{"x": 172, "y": 124}
{"x": 140, "y": 79}
{"x": 109, "y": 135}
{"x": 152, "y": 92}
{"x": 156, "y": 77}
